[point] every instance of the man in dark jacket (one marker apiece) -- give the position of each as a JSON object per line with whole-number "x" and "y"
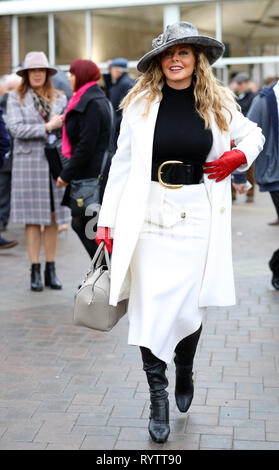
{"x": 5, "y": 147}
{"x": 265, "y": 112}
{"x": 118, "y": 83}
{"x": 244, "y": 95}
{"x": 244, "y": 98}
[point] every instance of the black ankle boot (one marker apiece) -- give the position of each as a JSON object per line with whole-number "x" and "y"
{"x": 36, "y": 281}
{"x": 184, "y": 358}
{"x": 51, "y": 280}
{"x": 155, "y": 369}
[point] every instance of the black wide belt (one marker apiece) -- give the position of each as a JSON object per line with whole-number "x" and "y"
{"x": 174, "y": 174}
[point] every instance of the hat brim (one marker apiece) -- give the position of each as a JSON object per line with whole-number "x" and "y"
{"x": 212, "y": 48}
{"x": 21, "y": 72}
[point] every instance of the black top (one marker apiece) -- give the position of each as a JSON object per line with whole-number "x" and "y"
{"x": 180, "y": 132}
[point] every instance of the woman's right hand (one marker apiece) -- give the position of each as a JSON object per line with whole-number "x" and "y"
{"x": 103, "y": 234}
{"x": 56, "y": 122}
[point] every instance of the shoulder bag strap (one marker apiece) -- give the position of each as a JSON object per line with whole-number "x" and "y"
{"x": 106, "y": 154}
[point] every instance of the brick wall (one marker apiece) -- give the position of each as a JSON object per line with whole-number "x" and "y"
{"x": 5, "y": 45}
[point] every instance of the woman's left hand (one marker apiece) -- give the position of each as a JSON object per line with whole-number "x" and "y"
{"x": 240, "y": 188}
{"x": 60, "y": 183}
{"x": 225, "y": 165}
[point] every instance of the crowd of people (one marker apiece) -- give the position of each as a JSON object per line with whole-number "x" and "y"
{"x": 168, "y": 248}
{"x": 39, "y": 109}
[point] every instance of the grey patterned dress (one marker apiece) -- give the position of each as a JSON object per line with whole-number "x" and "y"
{"x": 30, "y": 196}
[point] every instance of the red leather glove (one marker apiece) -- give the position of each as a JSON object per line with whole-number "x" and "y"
{"x": 103, "y": 234}
{"x": 225, "y": 165}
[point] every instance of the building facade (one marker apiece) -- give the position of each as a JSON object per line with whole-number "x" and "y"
{"x": 102, "y": 30}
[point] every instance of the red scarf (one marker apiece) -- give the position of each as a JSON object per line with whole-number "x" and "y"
{"x": 66, "y": 144}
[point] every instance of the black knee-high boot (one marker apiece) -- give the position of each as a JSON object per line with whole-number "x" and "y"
{"x": 184, "y": 358}
{"x": 155, "y": 369}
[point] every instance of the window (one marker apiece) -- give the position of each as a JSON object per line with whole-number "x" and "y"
{"x": 124, "y": 32}
{"x": 202, "y": 16}
{"x": 70, "y": 37}
{"x": 33, "y": 35}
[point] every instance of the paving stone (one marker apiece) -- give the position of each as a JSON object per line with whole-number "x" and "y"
{"x": 138, "y": 445}
{"x": 250, "y": 430}
{"x": 206, "y": 429}
{"x": 182, "y": 442}
{"x": 255, "y": 445}
{"x": 127, "y": 412}
{"x": 230, "y": 416}
{"x": 95, "y": 443}
{"x": 22, "y": 445}
{"x": 96, "y": 430}
{"x": 269, "y": 405}
{"x": 209, "y": 441}
{"x": 203, "y": 419}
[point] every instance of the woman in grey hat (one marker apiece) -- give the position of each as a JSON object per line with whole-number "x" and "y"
{"x": 166, "y": 208}
{"x": 34, "y": 116}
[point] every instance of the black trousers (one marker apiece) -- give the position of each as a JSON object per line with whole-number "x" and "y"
{"x": 275, "y": 199}
{"x": 5, "y": 196}
{"x": 79, "y": 226}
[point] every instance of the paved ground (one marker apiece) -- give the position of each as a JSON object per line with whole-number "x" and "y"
{"x": 66, "y": 387}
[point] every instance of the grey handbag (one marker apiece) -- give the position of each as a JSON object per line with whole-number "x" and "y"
{"x": 92, "y": 307}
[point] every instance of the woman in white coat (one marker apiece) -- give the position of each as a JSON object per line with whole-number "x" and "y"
{"x": 167, "y": 203}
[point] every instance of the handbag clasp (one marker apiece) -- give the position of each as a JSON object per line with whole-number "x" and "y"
{"x": 80, "y": 202}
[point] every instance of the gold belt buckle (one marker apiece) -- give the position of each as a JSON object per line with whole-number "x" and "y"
{"x": 170, "y": 186}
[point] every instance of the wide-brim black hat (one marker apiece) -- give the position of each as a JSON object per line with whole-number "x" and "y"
{"x": 182, "y": 33}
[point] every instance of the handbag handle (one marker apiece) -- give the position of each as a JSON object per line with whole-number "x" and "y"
{"x": 98, "y": 257}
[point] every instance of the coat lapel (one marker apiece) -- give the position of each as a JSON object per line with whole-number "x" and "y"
{"x": 149, "y": 133}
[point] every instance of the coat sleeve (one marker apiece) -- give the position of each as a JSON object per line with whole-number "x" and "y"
{"x": 5, "y": 141}
{"x": 17, "y": 123}
{"x": 118, "y": 176}
{"x": 248, "y": 137}
{"x": 258, "y": 110}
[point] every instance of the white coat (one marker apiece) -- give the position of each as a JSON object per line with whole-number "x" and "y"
{"x": 127, "y": 191}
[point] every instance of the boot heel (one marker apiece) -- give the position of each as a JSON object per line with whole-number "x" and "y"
{"x": 159, "y": 428}
{"x": 51, "y": 279}
{"x": 184, "y": 389}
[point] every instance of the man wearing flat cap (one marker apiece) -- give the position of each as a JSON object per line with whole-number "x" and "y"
{"x": 118, "y": 83}
{"x": 244, "y": 95}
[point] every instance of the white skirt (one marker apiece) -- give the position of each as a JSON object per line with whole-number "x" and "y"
{"x": 167, "y": 269}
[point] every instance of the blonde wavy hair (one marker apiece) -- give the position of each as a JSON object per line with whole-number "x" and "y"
{"x": 210, "y": 95}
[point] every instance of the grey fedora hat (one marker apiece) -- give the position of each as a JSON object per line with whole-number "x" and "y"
{"x": 182, "y": 33}
{"x": 35, "y": 60}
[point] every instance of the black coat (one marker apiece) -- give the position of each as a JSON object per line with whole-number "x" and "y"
{"x": 117, "y": 91}
{"x": 5, "y": 141}
{"x": 245, "y": 101}
{"x": 88, "y": 126}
